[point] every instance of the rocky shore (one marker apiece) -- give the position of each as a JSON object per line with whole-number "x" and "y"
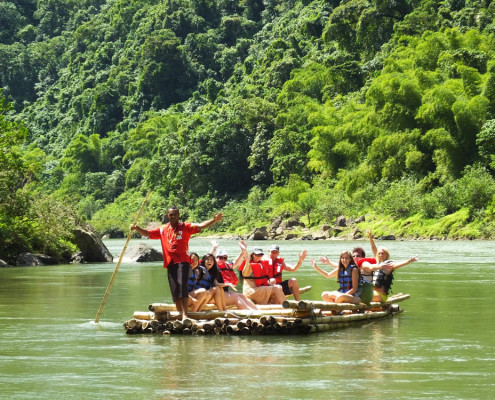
{"x": 91, "y": 249}
{"x": 342, "y": 229}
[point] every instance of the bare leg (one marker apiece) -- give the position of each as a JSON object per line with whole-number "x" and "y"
{"x": 329, "y": 296}
{"x": 219, "y": 298}
{"x": 240, "y": 301}
{"x": 208, "y": 294}
{"x": 347, "y": 298}
{"x": 181, "y": 305}
{"x": 199, "y": 304}
{"x": 248, "y": 303}
{"x": 294, "y": 287}
{"x": 278, "y": 296}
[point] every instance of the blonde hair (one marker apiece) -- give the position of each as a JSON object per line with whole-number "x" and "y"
{"x": 384, "y": 249}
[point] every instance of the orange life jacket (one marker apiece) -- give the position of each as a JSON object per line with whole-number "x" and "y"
{"x": 276, "y": 268}
{"x": 260, "y": 274}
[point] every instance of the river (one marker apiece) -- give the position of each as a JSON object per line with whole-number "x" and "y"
{"x": 441, "y": 347}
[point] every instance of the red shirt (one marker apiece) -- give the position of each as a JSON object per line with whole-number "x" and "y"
{"x": 175, "y": 242}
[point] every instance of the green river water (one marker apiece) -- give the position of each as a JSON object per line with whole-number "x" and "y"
{"x": 441, "y": 347}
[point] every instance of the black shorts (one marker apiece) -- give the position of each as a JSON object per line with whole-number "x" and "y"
{"x": 285, "y": 287}
{"x": 178, "y": 276}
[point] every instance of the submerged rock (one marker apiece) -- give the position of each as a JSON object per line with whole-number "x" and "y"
{"x": 30, "y": 259}
{"x": 142, "y": 252}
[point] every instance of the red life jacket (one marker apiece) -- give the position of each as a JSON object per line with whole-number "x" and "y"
{"x": 276, "y": 268}
{"x": 260, "y": 274}
{"x": 228, "y": 273}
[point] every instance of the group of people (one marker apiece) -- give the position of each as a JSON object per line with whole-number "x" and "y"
{"x": 213, "y": 279}
{"x": 354, "y": 270}
{"x": 195, "y": 282}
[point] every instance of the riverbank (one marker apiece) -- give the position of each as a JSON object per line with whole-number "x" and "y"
{"x": 457, "y": 226}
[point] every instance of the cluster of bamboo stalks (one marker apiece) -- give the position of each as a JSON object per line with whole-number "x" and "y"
{"x": 292, "y": 317}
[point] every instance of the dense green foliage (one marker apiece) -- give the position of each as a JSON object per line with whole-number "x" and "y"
{"x": 262, "y": 108}
{"x": 30, "y": 221}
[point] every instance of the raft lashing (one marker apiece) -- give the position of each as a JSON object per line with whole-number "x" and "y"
{"x": 292, "y": 317}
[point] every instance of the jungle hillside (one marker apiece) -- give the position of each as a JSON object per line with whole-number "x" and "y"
{"x": 296, "y": 109}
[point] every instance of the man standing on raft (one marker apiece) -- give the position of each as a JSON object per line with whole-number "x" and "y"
{"x": 174, "y": 237}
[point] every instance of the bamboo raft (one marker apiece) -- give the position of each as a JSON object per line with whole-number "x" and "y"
{"x": 292, "y": 317}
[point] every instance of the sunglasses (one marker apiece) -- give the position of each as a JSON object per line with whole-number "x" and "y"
{"x": 222, "y": 257}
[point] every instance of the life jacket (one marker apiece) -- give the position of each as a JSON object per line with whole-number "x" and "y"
{"x": 228, "y": 273}
{"x": 369, "y": 276}
{"x": 200, "y": 278}
{"x": 260, "y": 274}
{"x": 345, "y": 278}
{"x": 276, "y": 268}
{"x": 384, "y": 281}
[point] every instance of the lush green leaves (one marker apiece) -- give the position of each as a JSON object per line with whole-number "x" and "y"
{"x": 349, "y": 105}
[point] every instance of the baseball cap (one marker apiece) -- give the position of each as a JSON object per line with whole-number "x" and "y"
{"x": 257, "y": 250}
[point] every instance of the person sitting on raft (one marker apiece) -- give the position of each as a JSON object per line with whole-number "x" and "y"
{"x": 197, "y": 296}
{"x": 384, "y": 276}
{"x": 278, "y": 265}
{"x": 228, "y": 276}
{"x": 366, "y": 264}
{"x": 255, "y": 275}
{"x": 348, "y": 276}
{"x": 227, "y": 268}
{"x": 202, "y": 285}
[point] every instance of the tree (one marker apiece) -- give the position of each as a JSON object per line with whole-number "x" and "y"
{"x": 486, "y": 143}
{"x": 83, "y": 154}
{"x": 12, "y": 176}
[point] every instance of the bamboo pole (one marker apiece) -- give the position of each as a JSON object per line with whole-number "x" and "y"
{"x": 110, "y": 284}
{"x": 164, "y": 307}
{"x": 240, "y": 314}
{"x": 144, "y": 315}
{"x": 323, "y": 305}
{"x": 344, "y": 318}
{"x": 301, "y": 290}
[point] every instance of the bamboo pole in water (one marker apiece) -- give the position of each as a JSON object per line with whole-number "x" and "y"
{"x": 110, "y": 284}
